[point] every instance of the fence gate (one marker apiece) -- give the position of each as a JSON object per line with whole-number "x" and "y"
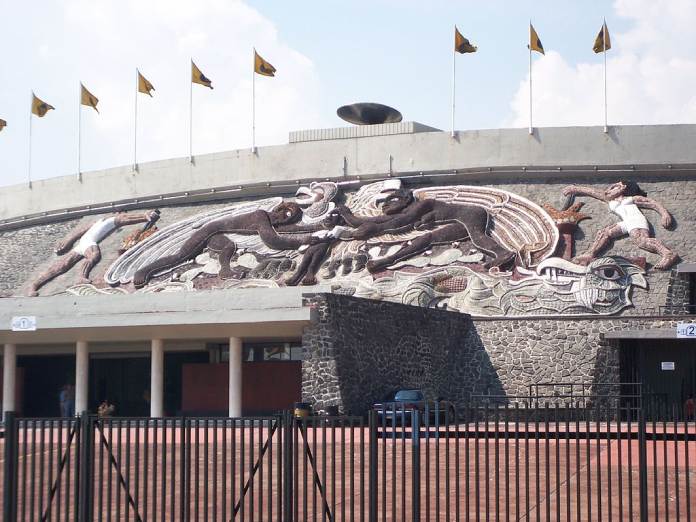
{"x": 531, "y": 461}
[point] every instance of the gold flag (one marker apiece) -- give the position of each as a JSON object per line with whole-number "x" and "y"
{"x": 534, "y": 41}
{"x": 3, "y": 124}
{"x": 144, "y": 86}
{"x": 198, "y": 77}
{"x": 262, "y": 67}
{"x": 461, "y": 44}
{"x": 88, "y": 99}
{"x": 602, "y": 42}
{"x": 39, "y": 107}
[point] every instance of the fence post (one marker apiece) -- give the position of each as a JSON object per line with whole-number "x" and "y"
{"x": 183, "y": 475}
{"x": 642, "y": 463}
{"x": 9, "y": 494}
{"x": 288, "y": 461}
{"x": 415, "y": 455}
{"x": 372, "y": 466}
{"x": 86, "y": 479}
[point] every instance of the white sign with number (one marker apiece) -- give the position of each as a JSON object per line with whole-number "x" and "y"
{"x": 24, "y": 323}
{"x": 686, "y": 330}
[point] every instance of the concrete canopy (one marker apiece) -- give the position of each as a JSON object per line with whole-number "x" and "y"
{"x": 262, "y": 313}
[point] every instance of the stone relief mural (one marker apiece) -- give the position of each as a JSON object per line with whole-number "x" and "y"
{"x": 479, "y": 250}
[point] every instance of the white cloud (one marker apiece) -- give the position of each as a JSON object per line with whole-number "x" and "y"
{"x": 101, "y": 43}
{"x": 651, "y": 74}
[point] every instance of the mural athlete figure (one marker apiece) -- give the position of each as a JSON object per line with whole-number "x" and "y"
{"x": 442, "y": 222}
{"x": 212, "y": 235}
{"x": 83, "y": 243}
{"x": 626, "y": 199}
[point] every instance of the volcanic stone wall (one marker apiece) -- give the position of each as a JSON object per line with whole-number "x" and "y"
{"x": 359, "y": 350}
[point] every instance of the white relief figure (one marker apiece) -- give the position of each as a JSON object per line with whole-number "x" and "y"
{"x": 82, "y": 244}
{"x": 626, "y": 199}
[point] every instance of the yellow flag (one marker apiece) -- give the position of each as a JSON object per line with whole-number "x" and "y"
{"x": 88, "y": 99}
{"x": 144, "y": 86}
{"x": 39, "y": 107}
{"x": 602, "y": 42}
{"x": 262, "y": 67}
{"x": 3, "y": 124}
{"x": 198, "y": 77}
{"x": 534, "y": 41}
{"x": 461, "y": 44}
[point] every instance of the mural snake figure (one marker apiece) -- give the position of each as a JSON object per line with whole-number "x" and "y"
{"x": 556, "y": 287}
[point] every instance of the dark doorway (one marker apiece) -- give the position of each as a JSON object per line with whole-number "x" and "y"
{"x": 666, "y": 367}
{"x": 125, "y": 382}
{"x": 44, "y": 377}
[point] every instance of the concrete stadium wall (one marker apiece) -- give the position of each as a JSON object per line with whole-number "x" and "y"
{"x": 244, "y": 174}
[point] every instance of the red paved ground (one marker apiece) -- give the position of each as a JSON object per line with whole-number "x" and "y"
{"x": 586, "y": 480}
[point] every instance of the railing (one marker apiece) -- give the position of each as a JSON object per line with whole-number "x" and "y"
{"x": 480, "y": 462}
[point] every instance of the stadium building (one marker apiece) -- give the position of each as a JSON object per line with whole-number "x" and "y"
{"x": 351, "y": 262}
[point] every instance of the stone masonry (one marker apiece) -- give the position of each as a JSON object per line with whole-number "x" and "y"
{"x": 359, "y": 350}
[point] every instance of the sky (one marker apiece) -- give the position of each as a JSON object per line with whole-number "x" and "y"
{"x": 327, "y": 54}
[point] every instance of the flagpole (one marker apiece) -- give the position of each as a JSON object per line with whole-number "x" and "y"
{"x": 31, "y": 106}
{"x": 79, "y": 132}
{"x": 604, "y": 46}
{"x": 135, "y": 126}
{"x": 253, "y": 104}
{"x": 191, "y": 116}
{"x": 531, "y": 129}
{"x": 454, "y": 81}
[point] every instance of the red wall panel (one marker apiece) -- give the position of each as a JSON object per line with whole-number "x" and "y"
{"x": 266, "y": 387}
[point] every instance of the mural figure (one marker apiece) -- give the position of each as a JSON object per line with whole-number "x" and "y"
{"x": 212, "y": 235}
{"x": 626, "y": 199}
{"x": 261, "y": 228}
{"x": 83, "y": 243}
{"x": 441, "y": 223}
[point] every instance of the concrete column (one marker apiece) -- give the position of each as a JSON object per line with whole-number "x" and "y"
{"x": 235, "y": 398}
{"x": 81, "y": 376}
{"x": 9, "y": 378}
{"x": 157, "y": 378}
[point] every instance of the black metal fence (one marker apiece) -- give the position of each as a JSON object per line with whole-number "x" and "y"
{"x": 553, "y": 461}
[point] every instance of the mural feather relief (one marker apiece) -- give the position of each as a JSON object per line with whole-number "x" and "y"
{"x": 167, "y": 240}
{"x": 518, "y": 224}
{"x": 475, "y": 249}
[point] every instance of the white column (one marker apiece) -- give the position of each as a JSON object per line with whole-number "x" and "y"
{"x": 157, "y": 378}
{"x": 235, "y": 363}
{"x": 9, "y": 376}
{"x": 81, "y": 376}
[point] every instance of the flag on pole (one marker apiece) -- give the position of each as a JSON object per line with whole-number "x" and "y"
{"x": 144, "y": 85}
{"x": 602, "y": 43}
{"x": 39, "y": 107}
{"x": 88, "y": 99}
{"x": 262, "y": 67}
{"x": 461, "y": 44}
{"x": 198, "y": 77}
{"x": 534, "y": 41}
{"x": 3, "y": 124}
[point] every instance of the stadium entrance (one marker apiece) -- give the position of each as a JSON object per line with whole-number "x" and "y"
{"x": 666, "y": 367}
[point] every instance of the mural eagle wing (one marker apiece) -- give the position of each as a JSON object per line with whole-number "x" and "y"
{"x": 515, "y": 222}
{"x": 167, "y": 240}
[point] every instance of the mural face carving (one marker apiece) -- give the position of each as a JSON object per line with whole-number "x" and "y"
{"x": 479, "y": 250}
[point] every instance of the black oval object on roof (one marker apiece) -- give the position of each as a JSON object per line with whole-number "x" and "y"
{"x": 368, "y": 114}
